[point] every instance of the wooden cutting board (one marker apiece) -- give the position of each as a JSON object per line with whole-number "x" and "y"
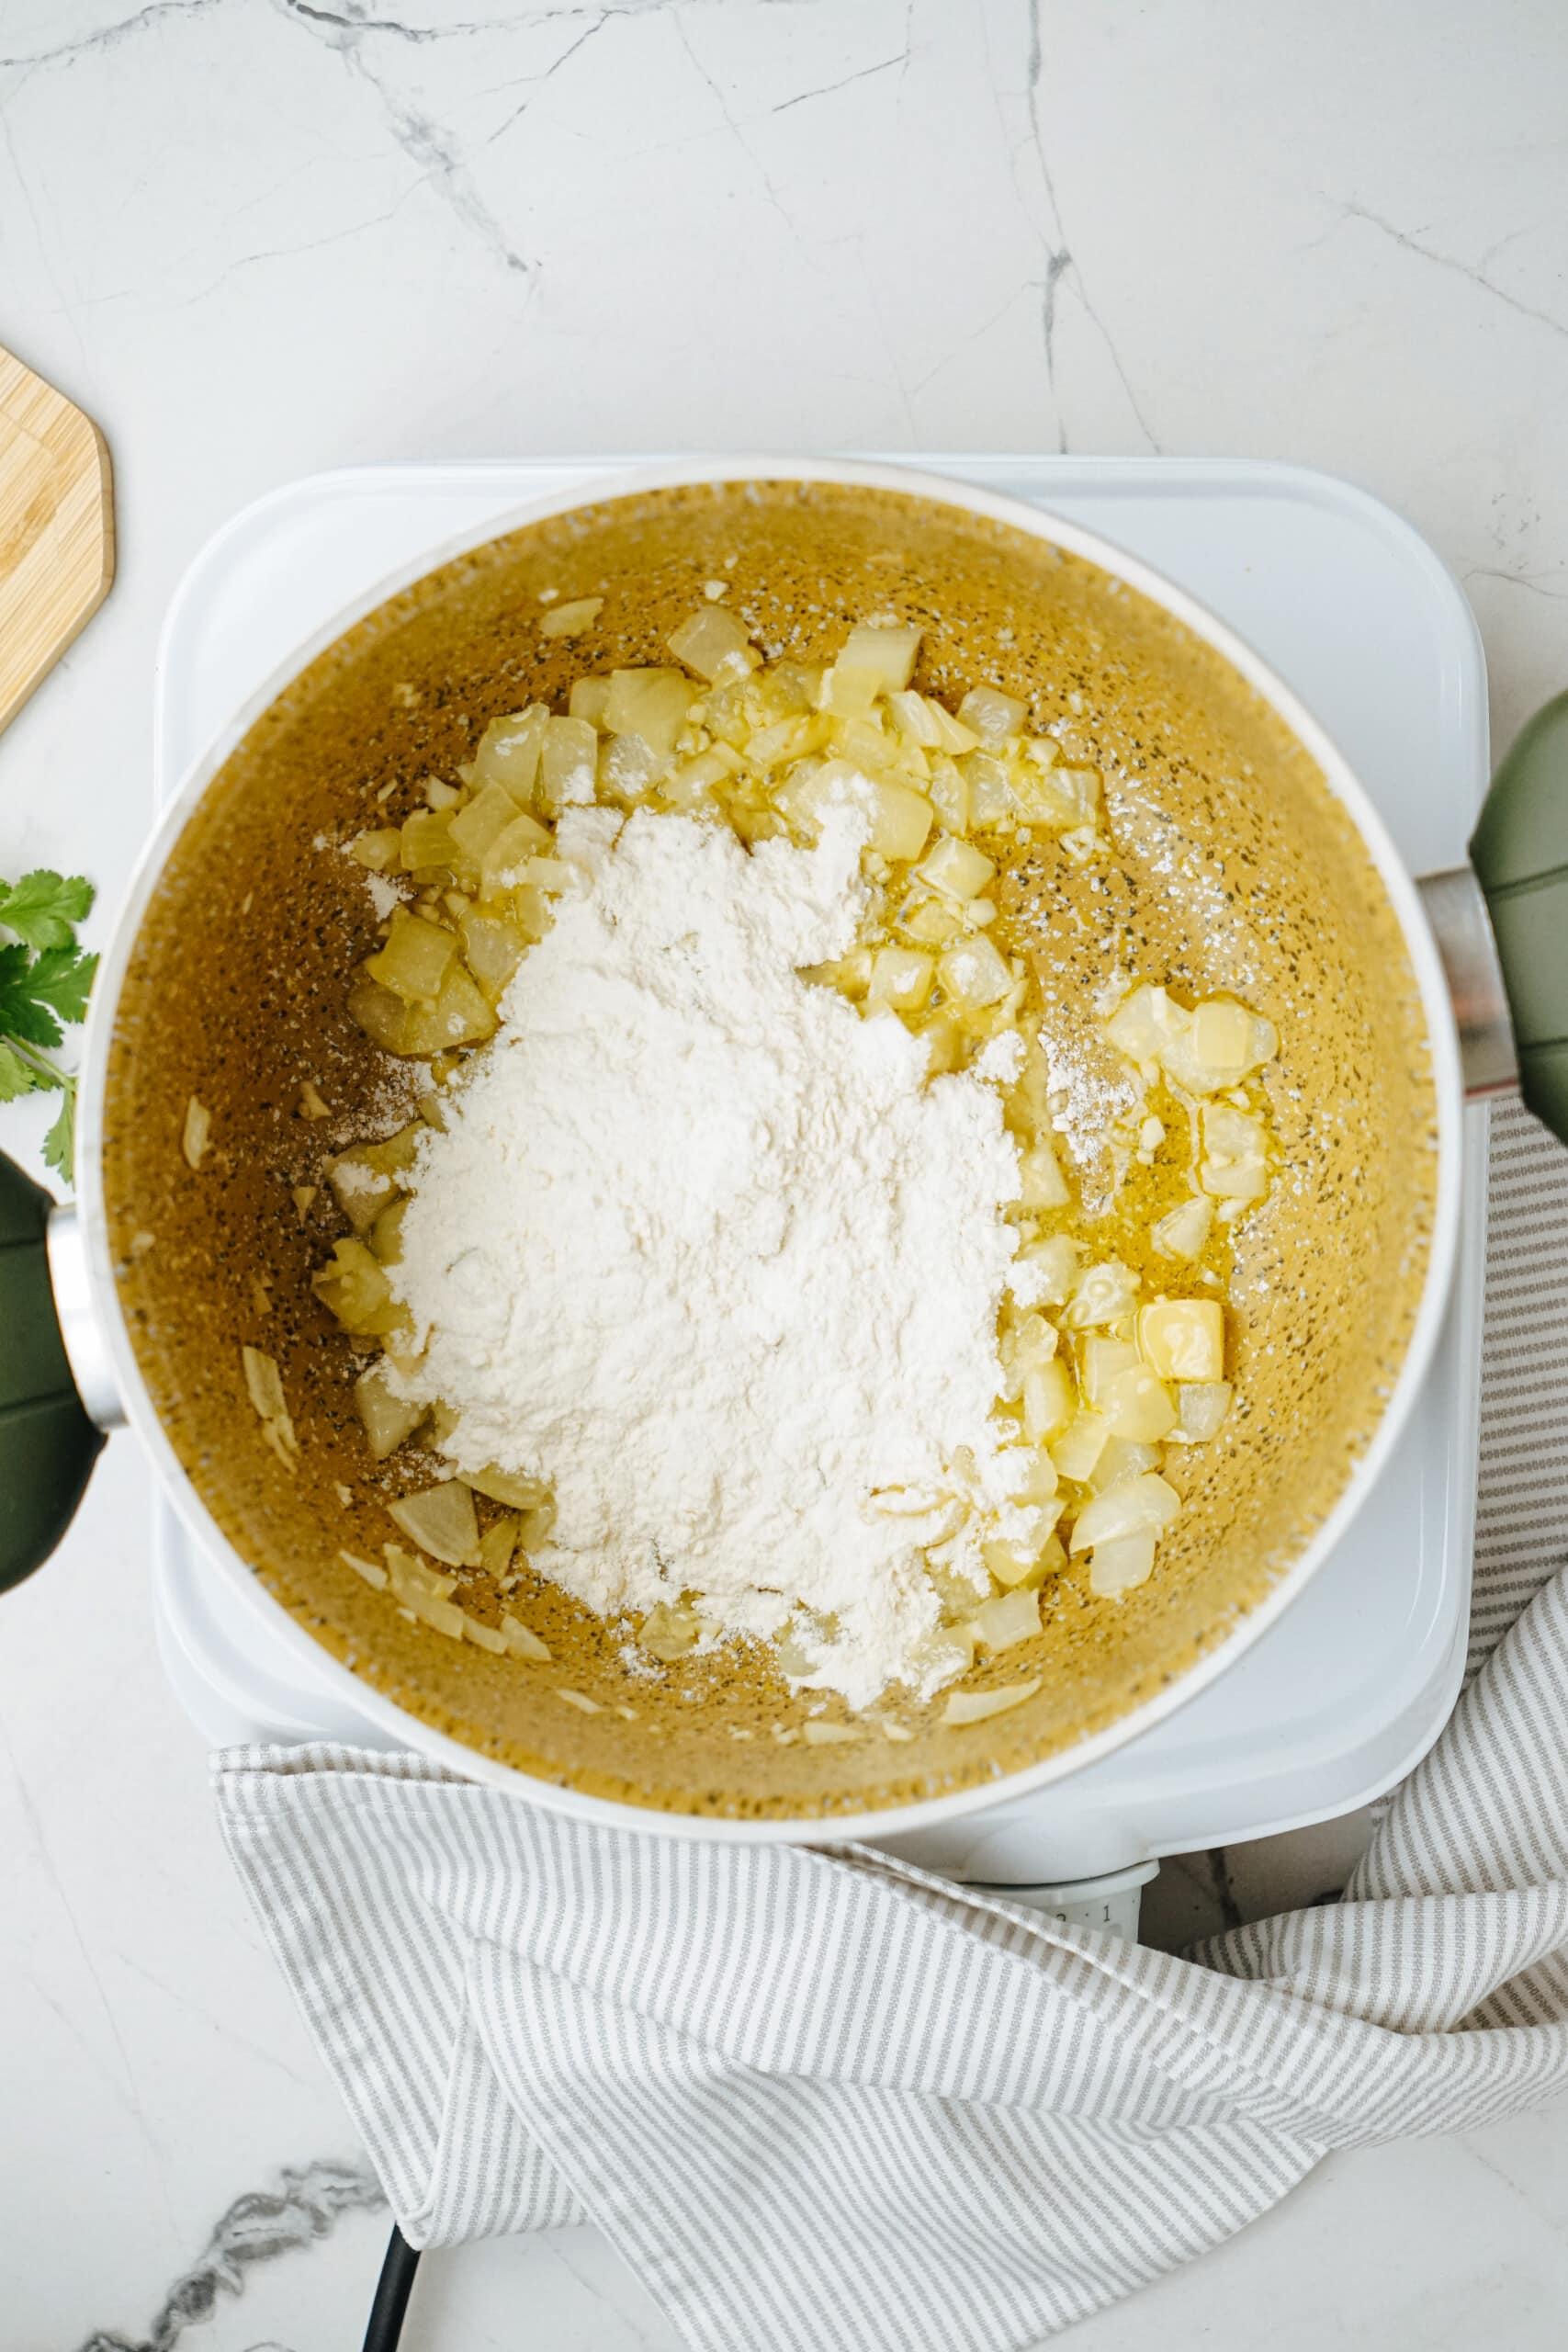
{"x": 56, "y": 528}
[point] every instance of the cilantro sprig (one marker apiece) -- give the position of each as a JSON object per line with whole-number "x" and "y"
{"x": 44, "y": 981}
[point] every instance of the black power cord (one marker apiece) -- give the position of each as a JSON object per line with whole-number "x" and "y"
{"x": 386, "y": 2323}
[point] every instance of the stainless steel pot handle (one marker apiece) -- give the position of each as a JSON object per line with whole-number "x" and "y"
{"x": 1456, "y": 909}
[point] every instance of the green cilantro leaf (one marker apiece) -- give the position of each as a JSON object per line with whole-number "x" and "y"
{"x": 21, "y": 1014}
{"x": 61, "y": 978}
{"x": 44, "y": 981}
{"x": 59, "y": 1142}
{"x": 17, "y": 1077}
{"x": 43, "y": 907}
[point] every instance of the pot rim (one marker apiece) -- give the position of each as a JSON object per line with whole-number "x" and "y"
{"x": 894, "y": 1820}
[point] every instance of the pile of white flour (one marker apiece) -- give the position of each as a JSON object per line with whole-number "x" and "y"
{"x": 705, "y": 1249}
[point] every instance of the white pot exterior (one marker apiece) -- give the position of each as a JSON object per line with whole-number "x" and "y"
{"x": 113, "y": 1348}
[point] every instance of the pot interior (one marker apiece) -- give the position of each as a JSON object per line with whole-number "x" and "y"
{"x": 1236, "y": 868}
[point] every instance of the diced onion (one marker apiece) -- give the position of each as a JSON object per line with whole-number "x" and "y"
{"x": 956, "y": 868}
{"x": 426, "y": 841}
{"x": 993, "y": 802}
{"x": 476, "y": 825}
{"x": 588, "y": 699}
{"x": 194, "y": 1136}
{"x": 353, "y": 1288}
{"x": 1146, "y": 1502}
{"x": 376, "y": 1578}
{"x": 1048, "y": 1401}
{"x": 1104, "y": 1294}
{"x": 1065, "y": 798}
{"x": 993, "y": 716}
{"x": 933, "y": 922}
{"x": 900, "y": 976}
{"x": 553, "y": 876}
{"x": 902, "y": 821}
{"x": 943, "y": 1654}
{"x": 1201, "y": 1407}
{"x": 1042, "y": 1185}
{"x": 695, "y": 778}
{"x": 413, "y": 1580}
{"x": 570, "y": 620}
{"x": 914, "y": 718}
{"x": 973, "y": 975}
{"x": 949, "y": 793}
{"x": 1011, "y": 1617}
{"x": 569, "y": 763}
{"x": 952, "y": 737}
{"x": 874, "y": 662}
{"x": 1183, "y": 1338}
{"x": 509, "y": 852}
{"x": 979, "y": 1706}
{"x": 1043, "y": 1402}
{"x": 1012, "y": 1565}
{"x": 512, "y": 1487}
{"x": 1203, "y": 1051}
{"x": 671, "y": 1631}
{"x": 492, "y": 949}
{"x": 442, "y": 1616}
{"x": 497, "y": 1546}
{"x": 264, "y": 1384}
{"x": 861, "y": 738}
{"x": 1123, "y": 1458}
{"x": 792, "y": 739}
{"x": 1032, "y": 1342}
{"x": 1139, "y": 1406}
{"x": 509, "y": 751}
{"x": 1118, "y": 1565}
{"x": 523, "y": 1642}
{"x": 389, "y": 1420}
{"x": 899, "y": 819}
{"x": 1080, "y": 1447}
{"x": 458, "y": 1017}
{"x": 487, "y": 1637}
{"x": 441, "y": 1521}
{"x": 714, "y": 644}
{"x": 1183, "y": 1230}
{"x": 360, "y": 1191}
{"x": 1235, "y": 1163}
{"x": 415, "y": 959}
{"x": 651, "y": 704}
{"x": 1229, "y": 1039}
{"x": 377, "y": 849}
{"x": 1103, "y": 1360}
{"x": 1052, "y": 1267}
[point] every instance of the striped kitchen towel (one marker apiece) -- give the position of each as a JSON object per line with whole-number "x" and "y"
{"x": 824, "y": 2103}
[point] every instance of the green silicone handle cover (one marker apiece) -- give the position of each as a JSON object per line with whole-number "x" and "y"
{"x": 48, "y": 1445}
{"x": 1521, "y": 856}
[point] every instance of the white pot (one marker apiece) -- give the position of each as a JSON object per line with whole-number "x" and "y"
{"x": 111, "y": 1387}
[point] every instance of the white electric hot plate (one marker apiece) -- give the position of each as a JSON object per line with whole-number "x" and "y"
{"x": 1341, "y": 1697}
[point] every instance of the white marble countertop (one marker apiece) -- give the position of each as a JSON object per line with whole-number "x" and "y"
{"x": 255, "y": 237}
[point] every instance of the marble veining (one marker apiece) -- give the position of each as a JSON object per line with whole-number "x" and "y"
{"x": 256, "y": 238}
{"x": 257, "y": 2227}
